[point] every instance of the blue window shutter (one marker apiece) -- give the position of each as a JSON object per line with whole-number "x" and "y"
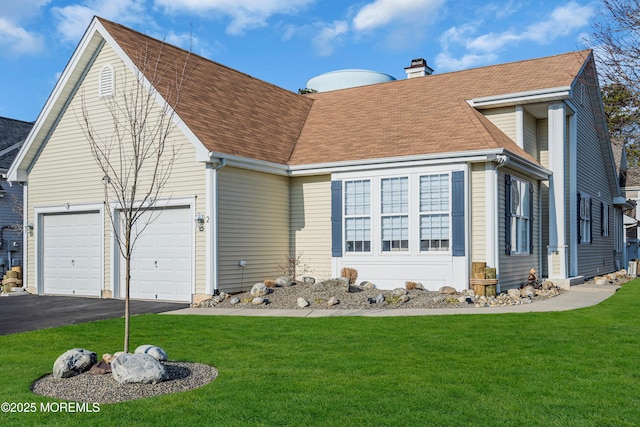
{"x": 579, "y": 221}
{"x": 457, "y": 214}
{"x": 507, "y": 214}
{"x": 590, "y": 221}
{"x": 336, "y": 219}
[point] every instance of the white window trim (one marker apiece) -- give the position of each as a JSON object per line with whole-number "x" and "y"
{"x": 414, "y": 214}
{"x": 346, "y": 216}
{"x": 525, "y": 215}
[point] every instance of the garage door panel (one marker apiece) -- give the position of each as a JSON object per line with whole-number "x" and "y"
{"x": 161, "y": 265}
{"x": 72, "y": 253}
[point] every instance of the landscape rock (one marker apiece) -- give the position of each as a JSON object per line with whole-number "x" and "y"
{"x": 108, "y": 357}
{"x": 283, "y": 281}
{"x": 333, "y": 301}
{"x": 308, "y": 280}
{"x": 259, "y": 290}
{"x": 547, "y": 284}
{"x": 234, "y": 300}
{"x": 398, "y": 292}
{"x": 156, "y": 352}
{"x": 330, "y": 285}
{"x": 367, "y": 286}
{"x": 302, "y": 303}
{"x": 257, "y": 301}
{"x": 527, "y": 292}
{"x": 447, "y": 290}
{"x": 100, "y": 368}
{"x": 73, "y": 362}
{"x": 515, "y": 293}
{"x": 380, "y": 299}
{"x": 138, "y": 368}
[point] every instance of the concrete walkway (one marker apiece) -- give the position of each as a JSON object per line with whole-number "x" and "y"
{"x": 578, "y": 296}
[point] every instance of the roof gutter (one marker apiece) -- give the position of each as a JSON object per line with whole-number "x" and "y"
{"x": 527, "y": 97}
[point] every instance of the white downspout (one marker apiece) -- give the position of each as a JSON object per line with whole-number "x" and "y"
{"x": 493, "y": 232}
{"x": 212, "y": 232}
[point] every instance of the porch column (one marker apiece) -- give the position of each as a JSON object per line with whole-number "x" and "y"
{"x": 557, "y": 249}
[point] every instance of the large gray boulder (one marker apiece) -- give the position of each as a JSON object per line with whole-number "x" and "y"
{"x": 73, "y": 362}
{"x": 259, "y": 290}
{"x": 137, "y": 368}
{"x": 158, "y": 353}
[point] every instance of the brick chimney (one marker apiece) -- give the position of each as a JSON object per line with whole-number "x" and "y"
{"x": 418, "y": 68}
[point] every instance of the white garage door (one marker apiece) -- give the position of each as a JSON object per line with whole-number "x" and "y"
{"x": 71, "y": 254}
{"x": 161, "y": 263}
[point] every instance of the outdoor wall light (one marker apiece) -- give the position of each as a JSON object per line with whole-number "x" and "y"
{"x": 199, "y": 219}
{"x": 30, "y": 228}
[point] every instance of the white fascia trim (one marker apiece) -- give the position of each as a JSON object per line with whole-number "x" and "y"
{"x": 395, "y": 162}
{"x": 18, "y": 170}
{"x": 527, "y": 97}
{"x": 247, "y": 163}
{"x": 523, "y": 165}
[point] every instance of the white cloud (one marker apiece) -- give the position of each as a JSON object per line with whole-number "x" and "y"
{"x": 245, "y": 14}
{"x": 445, "y": 61}
{"x": 561, "y": 22}
{"x": 330, "y": 35}
{"x": 74, "y": 19}
{"x": 384, "y": 12}
{"x": 15, "y": 40}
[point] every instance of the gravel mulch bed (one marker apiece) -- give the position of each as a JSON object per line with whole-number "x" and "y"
{"x": 89, "y": 388}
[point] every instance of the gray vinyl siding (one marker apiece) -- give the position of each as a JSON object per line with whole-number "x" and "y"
{"x": 514, "y": 269}
{"x": 311, "y": 223}
{"x": 478, "y": 213}
{"x": 504, "y": 119}
{"x": 592, "y": 179}
{"x": 66, "y": 173}
{"x": 253, "y": 226}
{"x": 11, "y": 223}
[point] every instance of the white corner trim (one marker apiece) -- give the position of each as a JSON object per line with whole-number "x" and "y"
{"x": 520, "y": 126}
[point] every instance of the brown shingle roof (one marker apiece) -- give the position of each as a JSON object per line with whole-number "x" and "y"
{"x": 234, "y": 113}
{"x": 230, "y": 112}
{"x": 425, "y": 115}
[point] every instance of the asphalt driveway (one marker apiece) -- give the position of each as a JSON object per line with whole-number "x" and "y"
{"x": 31, "y": 312}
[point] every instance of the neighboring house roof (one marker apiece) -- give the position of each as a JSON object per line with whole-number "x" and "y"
{"x": 12, "y": 135}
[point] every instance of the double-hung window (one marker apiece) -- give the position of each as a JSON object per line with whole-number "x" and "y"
{"x": 520, "y": 211}
{"x": 434, "y": 213}
{"x": 394, "y": 209}
{"x": 584, "y": 213}
{"x": 357, "y": 214}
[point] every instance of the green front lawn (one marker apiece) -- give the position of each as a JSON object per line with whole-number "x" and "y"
{"x": 577, "y": 368}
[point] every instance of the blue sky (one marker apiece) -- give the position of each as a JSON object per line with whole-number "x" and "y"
{"x": 286, "y": 42}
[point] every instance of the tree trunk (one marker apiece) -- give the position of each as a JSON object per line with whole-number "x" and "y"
{"x": 127, "y": 260}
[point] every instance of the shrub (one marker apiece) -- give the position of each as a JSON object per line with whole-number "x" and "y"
{"x": 350, "y": 273}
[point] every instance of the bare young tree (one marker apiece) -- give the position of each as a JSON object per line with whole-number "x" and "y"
{"x": 135, "y": 152}
{"x": 616, "y": 40}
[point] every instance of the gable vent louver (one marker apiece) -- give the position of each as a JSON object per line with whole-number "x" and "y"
{"x": 106, "y": 84}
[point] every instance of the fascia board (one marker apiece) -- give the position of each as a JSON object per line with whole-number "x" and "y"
{"x": 247, "y": 163}
{"x": 527, "y": 97}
